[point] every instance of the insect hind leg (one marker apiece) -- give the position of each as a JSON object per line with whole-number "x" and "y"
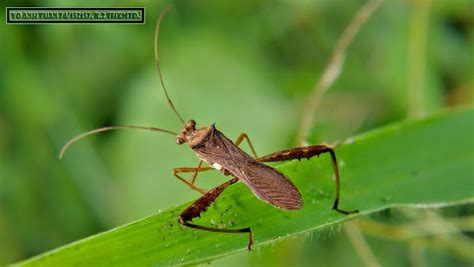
{"x": 308, "y": 152}
{"x": 212, "y": 229}
{"x": 200, "y": 205}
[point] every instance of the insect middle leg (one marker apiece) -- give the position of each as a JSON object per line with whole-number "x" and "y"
{"x": 243, "y": 136}
{"x": 200, "y": 205}
{"x": 308, "y": 152}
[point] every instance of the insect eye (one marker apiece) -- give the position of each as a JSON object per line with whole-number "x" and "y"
{"x": 191, "y": 125}
{"x": 180, "y": 140}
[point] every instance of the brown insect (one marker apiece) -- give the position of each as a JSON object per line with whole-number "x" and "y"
{"x": 220, "y": 153}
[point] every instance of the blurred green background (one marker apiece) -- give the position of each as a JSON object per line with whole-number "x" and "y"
{"x": 249, "y": 66}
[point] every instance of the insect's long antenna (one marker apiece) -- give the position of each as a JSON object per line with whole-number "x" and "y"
{"x": 104, "y": 129}
{"x": 157, "y": 31}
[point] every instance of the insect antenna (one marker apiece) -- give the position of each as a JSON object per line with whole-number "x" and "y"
{"x": 157, "y": 61}
{"x": 109, "y": 128}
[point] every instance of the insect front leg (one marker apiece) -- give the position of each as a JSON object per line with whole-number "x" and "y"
{"x": 308, "y": 152}
{"x": 195, "y": 170}
{"x": 200, "y": 205}
{"x": 193, "y": 179}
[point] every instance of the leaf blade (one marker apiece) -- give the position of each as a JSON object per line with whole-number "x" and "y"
{"x": 422, "y": 163}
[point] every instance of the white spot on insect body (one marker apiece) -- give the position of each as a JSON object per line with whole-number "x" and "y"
{"x": 217, "y": 166}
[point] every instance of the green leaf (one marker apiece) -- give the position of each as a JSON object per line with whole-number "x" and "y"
{"x": 420, "y": 164}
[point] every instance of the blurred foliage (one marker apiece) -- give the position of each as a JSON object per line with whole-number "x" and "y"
{"x": 246, "y": 65}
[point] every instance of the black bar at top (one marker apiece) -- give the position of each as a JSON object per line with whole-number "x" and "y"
{"x": 141, "y": 9}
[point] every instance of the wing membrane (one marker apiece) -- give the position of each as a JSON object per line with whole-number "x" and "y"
{"x": 271, "y": 186}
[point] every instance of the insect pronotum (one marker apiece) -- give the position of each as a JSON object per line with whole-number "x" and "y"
{"x": 213, "y": 147}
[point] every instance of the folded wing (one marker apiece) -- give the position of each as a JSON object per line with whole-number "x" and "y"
{"x": 271, "y": 186}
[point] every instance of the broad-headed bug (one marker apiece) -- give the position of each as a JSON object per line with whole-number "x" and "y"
{"x": 213, "y": 147}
